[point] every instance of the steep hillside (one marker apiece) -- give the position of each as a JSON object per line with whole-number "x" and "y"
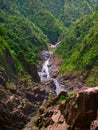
{"x": 20, "y": 92}
{"x": 19, "y": 34}
{"x": 26, "y": 28}
{"x": 68, "y": 11}
{"x": 36, "y": 12}
{"x": 56, "y": 7}
{"x": 79, "y": 49}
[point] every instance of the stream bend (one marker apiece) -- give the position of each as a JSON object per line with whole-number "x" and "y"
{"x": 45, "y": 75}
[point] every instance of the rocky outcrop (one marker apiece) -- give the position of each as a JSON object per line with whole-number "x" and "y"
{"x": 18, "y": 104}
{"x": 50, "y": 86}
{"x": 72, "y": 82}
{"x": 51, "y": 119}
{"x": 78, "y": 111}
{"x": 50, "y": 116}
{"x": 11, "y": 114}
{"x": 36, "y": 95}
{"x": 54, "y": 67}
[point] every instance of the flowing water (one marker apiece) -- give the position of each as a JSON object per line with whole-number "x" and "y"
{"x": 58, "y": 86}
{"x": 45, "y": 75}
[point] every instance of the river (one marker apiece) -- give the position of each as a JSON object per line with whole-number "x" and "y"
{"x": 45, "y": 75}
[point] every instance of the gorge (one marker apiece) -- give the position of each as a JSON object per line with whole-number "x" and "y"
{"x": 47, "y": 86}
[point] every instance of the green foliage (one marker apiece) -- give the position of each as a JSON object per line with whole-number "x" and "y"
{"x": 80, "y": 46}
{"x": 23, "y": 25}
{"x": 50, "y": 97}
{"x": 22, "y": 34}
{"x": 18, "y": 33}
{"x": 49, "y": 24}
{"x": 62, "y": 98}
{"x": 72, "y": 95}
{"x": 91, "y": 81}
{"x": 37, "y": 13}
{"x": 28, "y": 25}
{"x": 70, "y": 10}
{"x": 34, "y": 128}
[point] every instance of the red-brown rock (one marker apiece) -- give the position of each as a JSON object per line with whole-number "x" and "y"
{"x": 79, "y": 112}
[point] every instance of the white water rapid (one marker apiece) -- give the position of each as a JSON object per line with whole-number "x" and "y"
{"x": 45, "y": 75}
{"x": 58, "y": 86}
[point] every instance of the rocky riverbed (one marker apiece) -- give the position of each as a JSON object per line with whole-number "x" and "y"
{"x": 49, "y": 71}
{"x": 19, "y": 102}
{"x": 74, "y": 106}
{"x": 48, "y": 106}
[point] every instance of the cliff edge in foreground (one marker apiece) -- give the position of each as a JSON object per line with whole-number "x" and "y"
{"x": 74, "y": 111}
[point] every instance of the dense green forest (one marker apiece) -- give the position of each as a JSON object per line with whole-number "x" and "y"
{"x": 36, "y": 12}
{"x": 26, "y": 27}
{"x": 18, "y": 34}
{"x": 68, "y": 11}
{"x": 79, "y": 48}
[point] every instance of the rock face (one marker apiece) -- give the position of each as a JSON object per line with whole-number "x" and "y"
{"x": 50, "y": 86}
{"x": 71, "y": 82}
{"x": 10, "y": 120}
{"x": 78, "y": 111}
{"x": 54, "y": 66}
{"x": 51, "y": 119}
{"x": 19, "y": 104}
{"x": 81, "y": 111}
{"x": 11, "y": 116}
{"x": 50, "y": 116}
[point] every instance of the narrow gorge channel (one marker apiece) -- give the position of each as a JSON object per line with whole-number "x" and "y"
{"x": 45, "y": 73}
